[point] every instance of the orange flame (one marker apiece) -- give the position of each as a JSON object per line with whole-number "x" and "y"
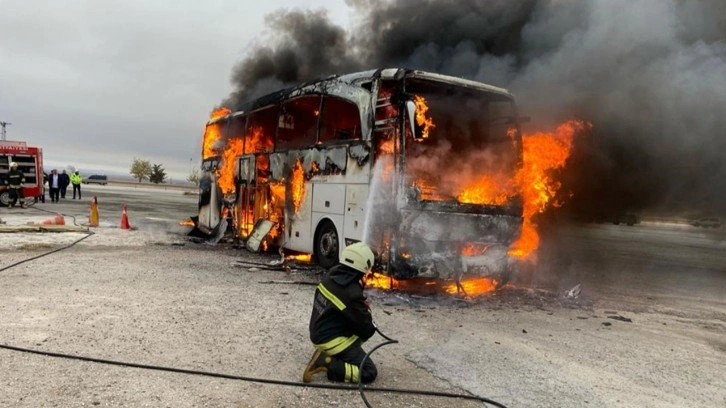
{"x": 472, "y": 287}
{"x": 187, "y": 223}
{"x": 297, "y": 185}
{"x": 426, "y": 123}
{"x": 377, "y": 280}
{"x": 256, "y": 141}
{"x": 486, "y": 190}
{"x": 212, "y": 133}
{"x": 218, "y": 113}
{"x": 300, "y": 258}
{"x": 543, "y": 152}
{"x": 468, "y": 287}
{"x": 225, "y": 172}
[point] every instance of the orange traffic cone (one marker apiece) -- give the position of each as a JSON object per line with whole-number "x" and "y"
{"x": 125, "y": 219}
{"x": 57, "y": 220}
{"x": 93, "y": 216}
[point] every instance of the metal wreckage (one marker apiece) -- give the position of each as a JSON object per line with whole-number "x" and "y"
{"x": 418, "y": 165}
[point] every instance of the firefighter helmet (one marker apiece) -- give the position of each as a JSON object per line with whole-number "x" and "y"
{"x": 13, "y": 164}
{"x": 358, "y": 256}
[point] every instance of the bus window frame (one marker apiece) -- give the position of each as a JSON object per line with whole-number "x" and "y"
{"x": 316, "y": 142}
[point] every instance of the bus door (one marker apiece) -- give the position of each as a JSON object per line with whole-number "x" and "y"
{"x": 210, "y": 197}
{"x": 245, "y": 197}
{"x": 256, "y": 206}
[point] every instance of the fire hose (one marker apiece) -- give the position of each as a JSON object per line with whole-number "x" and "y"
{"x": 360, "y": 388}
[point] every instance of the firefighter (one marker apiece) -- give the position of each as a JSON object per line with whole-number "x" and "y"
{"x": 341, "y": 320}
{"x": 15, "y": 181}
{"x": 76, "y": 180}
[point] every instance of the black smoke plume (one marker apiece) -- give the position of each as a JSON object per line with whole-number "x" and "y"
{"x": 649, "y": 74}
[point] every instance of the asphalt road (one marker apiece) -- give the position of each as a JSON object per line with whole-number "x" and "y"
{"x": 648, "y": 330}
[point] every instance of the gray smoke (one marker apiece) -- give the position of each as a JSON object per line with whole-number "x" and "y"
{"x": 649, "y": 74}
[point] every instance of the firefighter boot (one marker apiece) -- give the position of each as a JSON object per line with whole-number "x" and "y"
{"x": 318, "y": 363}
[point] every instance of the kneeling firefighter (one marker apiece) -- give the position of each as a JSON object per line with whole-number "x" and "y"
{"x": 341, "y": 320}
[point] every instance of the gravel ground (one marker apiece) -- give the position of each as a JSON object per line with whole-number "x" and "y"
{"x": 190, "y": 307}
{"x": 152, "y": 297}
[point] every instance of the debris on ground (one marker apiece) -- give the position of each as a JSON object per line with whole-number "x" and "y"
{"x": 621, "y": 318}
{"x": 574, "y": 292}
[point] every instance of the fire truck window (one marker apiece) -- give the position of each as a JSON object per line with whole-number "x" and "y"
{"x": 340, "y": 121}
{"x": 261, "y": 130}
{"x": 298, "y": 123}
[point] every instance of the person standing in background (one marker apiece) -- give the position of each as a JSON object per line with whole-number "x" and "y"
{"x": 54, "y": 184}
{"x": 64, "y": 182}
{"x": 76, "y": 180}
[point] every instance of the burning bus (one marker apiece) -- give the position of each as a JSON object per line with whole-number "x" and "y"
{"x": 420, "y": 166}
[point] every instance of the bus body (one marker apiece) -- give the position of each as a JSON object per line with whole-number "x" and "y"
{"x": 382, "y": 156}
{"x": 30, "y": 162}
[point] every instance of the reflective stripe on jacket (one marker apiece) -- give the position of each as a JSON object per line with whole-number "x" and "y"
{"x": 15, "y": 178}
{"x": 340, "y": 315}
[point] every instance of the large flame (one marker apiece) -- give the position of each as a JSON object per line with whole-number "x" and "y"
{"x": 297, "y": 185}
{"x": 543, "y": 152}
{"x": 218, "y": 113}
{"x": 212, "y": 133}
{"x": 256, "y": 141}
{"x": 225, "y": 172}
{"x": 467, "y": 287}
{"x": 424, "y": 122}
{"x": 486, "y": 190}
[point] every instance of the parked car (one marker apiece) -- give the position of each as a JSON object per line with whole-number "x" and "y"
{"x": 707, "y": 223}
{"x": 96, "y": 179}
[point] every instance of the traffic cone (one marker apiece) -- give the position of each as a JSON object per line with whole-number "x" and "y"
{"x": 125, "y": 219}
{"x": 57, "y": 220}
{"x": 93, "y": 216}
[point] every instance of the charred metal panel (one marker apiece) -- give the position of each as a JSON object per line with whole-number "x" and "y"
{"x": 278, "y": 162}
{"x": 432, "y": 242}
{"x": 313, "y": 158}
{"x": 457, "y": 227}
{"x": 337, "y": 156}
{"x": 361, "y": 153}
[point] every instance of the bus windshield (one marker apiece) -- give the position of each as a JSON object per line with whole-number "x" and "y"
{"x": 468, "y": 145}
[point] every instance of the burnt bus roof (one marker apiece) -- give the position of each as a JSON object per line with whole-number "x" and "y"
{"x": 356, "y": 78}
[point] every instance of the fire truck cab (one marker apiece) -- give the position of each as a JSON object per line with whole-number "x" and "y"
{"x": 30, "y": 162}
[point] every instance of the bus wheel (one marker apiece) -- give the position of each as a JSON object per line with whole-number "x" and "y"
{"x": 326, "y": 245}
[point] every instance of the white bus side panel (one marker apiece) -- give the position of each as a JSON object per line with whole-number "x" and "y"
{"x": 299, "y": 234}
{"x": 356, "y": 196}
{"x": 329, "y": 198}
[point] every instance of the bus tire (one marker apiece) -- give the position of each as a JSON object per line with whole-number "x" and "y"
{"x": 326, "y": 244}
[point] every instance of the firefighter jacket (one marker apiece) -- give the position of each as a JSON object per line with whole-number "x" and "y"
{"x": 15, "y": 179}
{"x": 340, "y": 315}
{"x": 76, "y": 178}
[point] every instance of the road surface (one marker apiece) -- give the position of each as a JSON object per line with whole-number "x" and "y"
{"x": 648, "y": 329}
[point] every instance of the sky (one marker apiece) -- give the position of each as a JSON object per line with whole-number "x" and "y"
{"x": 97, "y": 83}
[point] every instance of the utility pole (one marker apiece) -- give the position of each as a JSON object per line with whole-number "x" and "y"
{"x": 4, "y": 124}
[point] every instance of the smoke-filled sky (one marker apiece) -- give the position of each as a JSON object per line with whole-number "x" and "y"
{"x": 97, "y": 83}
{"x": 649, "y": 74}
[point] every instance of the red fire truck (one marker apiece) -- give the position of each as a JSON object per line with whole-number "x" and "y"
{"x": 30, "y": 162}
